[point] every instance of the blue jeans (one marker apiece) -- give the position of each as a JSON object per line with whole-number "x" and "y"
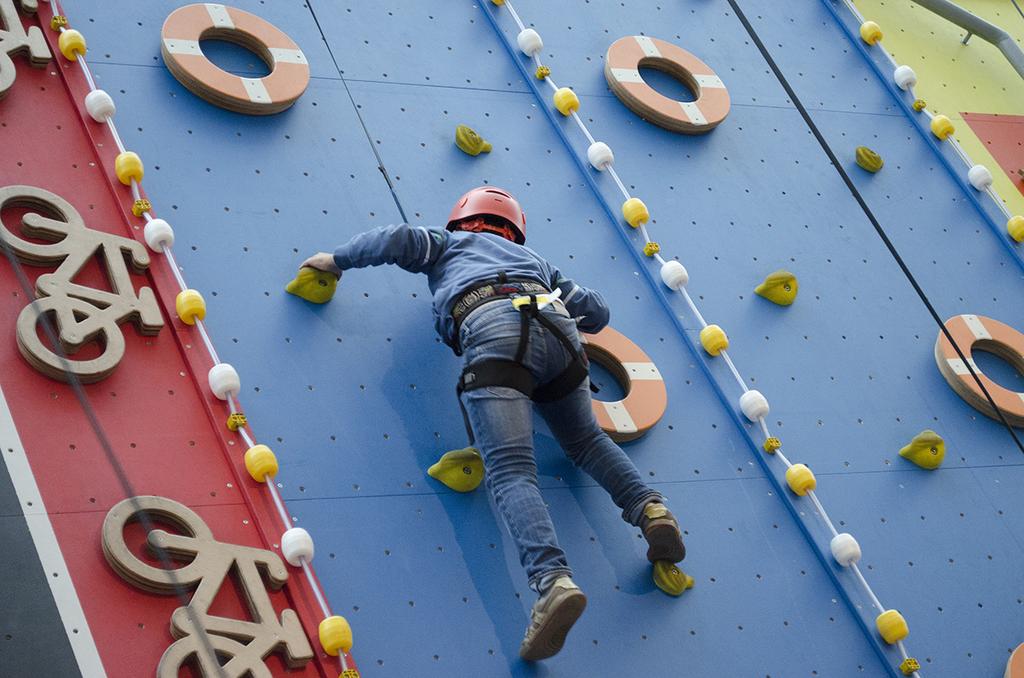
{"x": 502, "y": 422}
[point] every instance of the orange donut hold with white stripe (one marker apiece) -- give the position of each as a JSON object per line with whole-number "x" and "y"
{"x": 622, "y": 65}
{"x": 1015, "y": 664}
{"x": 289, "y": 70}
{"x": 985, "y": 334}
{"x": 646, "y": 398}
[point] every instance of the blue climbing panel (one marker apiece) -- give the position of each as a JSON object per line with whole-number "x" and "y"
{"x": 357, "y": 396}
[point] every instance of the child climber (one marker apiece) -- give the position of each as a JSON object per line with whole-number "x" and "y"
{"x": 496, "y": 302}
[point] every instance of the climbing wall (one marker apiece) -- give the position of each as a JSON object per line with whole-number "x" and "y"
{"x": 357, "y": 396}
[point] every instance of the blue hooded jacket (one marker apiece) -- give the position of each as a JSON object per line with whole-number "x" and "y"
{"x": 458, "y": 262}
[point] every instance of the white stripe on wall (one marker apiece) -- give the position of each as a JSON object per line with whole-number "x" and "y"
{"x": 54, "y": 567}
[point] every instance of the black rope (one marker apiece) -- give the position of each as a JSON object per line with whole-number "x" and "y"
{"x": 180, "y": 591}
{"x": 355, "y": 107}
{"x": 1018, "y": 8}
{"x": 867, "y": 211}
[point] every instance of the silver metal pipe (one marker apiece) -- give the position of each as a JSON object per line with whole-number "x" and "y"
{"x": 976, "y": 26}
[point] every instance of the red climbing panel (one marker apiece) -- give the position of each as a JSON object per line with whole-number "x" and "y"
{"x": 1004, "y": 137}
{"x": 166, "y": 431}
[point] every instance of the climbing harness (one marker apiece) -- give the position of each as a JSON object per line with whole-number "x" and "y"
{"x": 513, "y": 373}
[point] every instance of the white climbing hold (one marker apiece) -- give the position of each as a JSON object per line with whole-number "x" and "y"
{"x": 159, "y": 235}
{"x": 754, "y": 405}
{"x": 980, "y": 177}
{"x": 905, "y": 77}
{"x": 100, "y": 105}
{"x": 224, "y": 381}
{"x": 297, "y": 546}
{"x": 529, "y": 41}
{"x": 600, "y": 155}
{"x": 674, "y": 274}
{"x": 845, "y": 549}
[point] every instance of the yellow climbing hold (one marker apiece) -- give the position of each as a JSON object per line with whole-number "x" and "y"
{"x": 260, "y": 462}
{"x": 71, "y": 43}
{"x": 499, "y": 3}
{"x": 713, "y": 339}
{"x": 927, "y": 450}
{"x": 566, "y": 101}
{"x": 670, "y": 579}
{"x": 128, "y": 166}
{"x": 335, "y": 634}
{"x": 236, "y": 420}
{"x": 800, "y": 479}
{"x": 779, "y": 287}
{"x": 942, "y": 127}
{"x": 470, "y": 142}
{"x": 1015, "y": 227}
{"x": 919, "y": 105}
{"x": 651, "y": 248}
{"x": 892, "y": 626}
{"x": 542, "y": 72}
{"x": 190, "y": 306}
{"x": 772, "y": 444}
{"x": 58, "y": 21}
{"x": 868, "y": 159}
{"x": 634, "y": 211}
{"x": 461, "y": 470}
{"x": 141, "y": 206}
{"x": 909, "y": 665}
{"x": 313, "y": 285}
{"x": 870, "y": 32}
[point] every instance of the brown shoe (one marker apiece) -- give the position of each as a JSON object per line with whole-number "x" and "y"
{"x": 662, "y": 534}
{"x": 553, "y": 615}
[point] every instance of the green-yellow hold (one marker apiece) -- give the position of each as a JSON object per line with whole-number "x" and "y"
{"x": 470, "y": 142}
{"x": 461, "y": 470}
{"x": 313, "y": 285}
{"x": 927, "y": 450}
{"x": 670, "y": 579}
{"x": 868, "y": 159}
{"x": 779, "y": 287}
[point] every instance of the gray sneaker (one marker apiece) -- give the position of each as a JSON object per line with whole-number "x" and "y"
{"x": 662, "y": 534}
{"x": 553, "y": 615}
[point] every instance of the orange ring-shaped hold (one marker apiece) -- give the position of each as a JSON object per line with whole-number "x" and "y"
{"x": 1015, "y": 664}
{"x": 985, "y": 334}
{"x": 646, "y": 398}
{"x": 622, "y": 65}
{"x": 289, "y": 70}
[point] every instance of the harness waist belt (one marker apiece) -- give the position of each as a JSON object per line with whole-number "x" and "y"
{"x": 470, "y": 300}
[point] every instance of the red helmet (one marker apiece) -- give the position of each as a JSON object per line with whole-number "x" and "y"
{"x": 490, "y": 201}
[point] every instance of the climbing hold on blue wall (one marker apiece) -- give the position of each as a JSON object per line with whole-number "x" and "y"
{"x": 670, "y": 579}
{"x": 927, "y": 450}
{"x": 470, "y": 142}
{"x": 461, "y": 470}
{"x": 868, "y": 159}
{"x": 313, "y": 285}
{"x": 779, "y": 287}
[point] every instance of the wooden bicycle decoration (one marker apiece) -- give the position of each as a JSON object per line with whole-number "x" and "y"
{"x": 243, "y": 644}
{"x": 83, "y": 315}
